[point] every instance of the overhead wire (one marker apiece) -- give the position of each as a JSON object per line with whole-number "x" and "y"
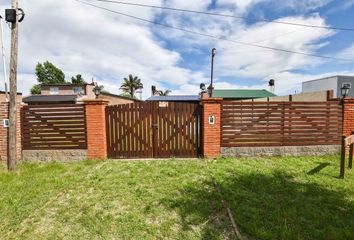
{"x": 267, "y": 39}
{"x": 226, "y": 15}
{"x": 209, "y": 35}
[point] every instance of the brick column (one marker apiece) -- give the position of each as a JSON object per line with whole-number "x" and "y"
{"x": 348, "y": 124}
{"x": 4, "y": 114}
{"x": 211, "y": 132}
{"x": 96, "y": 128}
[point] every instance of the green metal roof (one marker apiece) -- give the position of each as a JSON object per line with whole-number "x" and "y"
{"x": 242, "y": 93}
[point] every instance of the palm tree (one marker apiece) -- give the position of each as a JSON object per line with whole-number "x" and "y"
{"x": 164, "y": 93}
{"x": 131, "y": 84}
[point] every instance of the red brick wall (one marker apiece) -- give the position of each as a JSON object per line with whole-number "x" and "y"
{"x": 96, "y": 128}
{"x": 4, "y": 131}
{"x": 348, "y": 124}
{"x": 211, "y": 132}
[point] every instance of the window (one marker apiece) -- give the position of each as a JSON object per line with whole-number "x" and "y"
{"x": 348, "y": 85}
{"x": 78, "y": 90}
{"x": 54, "y": 90}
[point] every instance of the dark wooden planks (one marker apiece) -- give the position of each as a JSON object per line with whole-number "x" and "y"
{"x": 129, "y": 130}
{"x": 280, "y": 123}
{"x": 54, "y": 127}
{"x": 151, "y": 130}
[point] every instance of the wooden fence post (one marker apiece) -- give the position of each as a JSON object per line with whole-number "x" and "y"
{"x": 342, "y": 158}
{"x": 350, "y": 163}
{"x": 351, "y": 152}
{"x": 283, "y": 124}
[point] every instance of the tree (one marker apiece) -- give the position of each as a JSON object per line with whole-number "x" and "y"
{"x": 131, "y": 84}
{"x": 164, "y": 93}
{"x": 126, "y": 95}
{"x": 36, "y": 89}
{"x": 78, "y": 79}
{"x": 48, "y": 73}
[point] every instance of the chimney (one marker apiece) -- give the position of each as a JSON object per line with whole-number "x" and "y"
{"x": 271, "y": 85}
{"x": 153, "y": 90}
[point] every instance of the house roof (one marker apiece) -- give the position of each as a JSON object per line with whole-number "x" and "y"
{"x": 65, "y": 84}
{"x": 105, "y": 93}
{"x": 242, "y": 93}
{"x": 175, "y": 98}
{"x": 50, "y": 99}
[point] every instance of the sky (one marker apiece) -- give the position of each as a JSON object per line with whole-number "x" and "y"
{"x": 80, "y": 39}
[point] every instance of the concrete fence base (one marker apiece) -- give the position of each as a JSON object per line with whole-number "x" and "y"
{"x": 317, "y": 150}
{"x": 54, "y": 155}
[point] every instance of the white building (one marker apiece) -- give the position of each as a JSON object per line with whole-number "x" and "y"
{"x": 334, "y": 83}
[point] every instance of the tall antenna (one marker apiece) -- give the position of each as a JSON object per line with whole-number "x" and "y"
{"x": 3, "y": 57}
{"x": 213, "y": 53}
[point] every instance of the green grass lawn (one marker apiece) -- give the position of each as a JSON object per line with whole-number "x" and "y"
{"x": 270, "y": 198}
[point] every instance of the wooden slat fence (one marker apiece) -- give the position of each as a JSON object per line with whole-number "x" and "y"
{"x": 148, "y": 129}
{"x": 252, "y": 124}
{"x": 54, "y": 127}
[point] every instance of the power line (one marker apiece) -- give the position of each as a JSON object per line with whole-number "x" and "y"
{"x": 267, "y": 39}
{"x": 212, "y": 36}
{"x": 227, "y": 15}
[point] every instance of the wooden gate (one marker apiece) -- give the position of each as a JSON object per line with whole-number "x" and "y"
{"x": 154, "y": 130}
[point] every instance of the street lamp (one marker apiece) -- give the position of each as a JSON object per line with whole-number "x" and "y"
{"x": 202, "y": 87}
{"x": 97, "y": 91}
{"x": 344, "y": 91}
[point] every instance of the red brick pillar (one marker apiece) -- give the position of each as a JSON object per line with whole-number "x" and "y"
{"x": 348, "y": 124}
{"x": 96, "y": 128}
{"x": 211, "y": 127}
{"x": 4, "y": 114}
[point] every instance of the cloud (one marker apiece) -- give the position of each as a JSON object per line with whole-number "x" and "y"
{"x": 252, "y": 62}
{"x": 235, "y": 61}
{"x": 108, "y": 47}
{"x": 228, "y": 85}
{"x": 301, "y": 5}
{"x": 192, "y": 5}
{"x": 95, "y": 43}
{"x": 242, "y": 6}
{"x": 287, "y": 82}
{"x": 342, "y": 7}
{"x": 347, "y": 53}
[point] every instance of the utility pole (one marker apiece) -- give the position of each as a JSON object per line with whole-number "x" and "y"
{"x": 211, "y": 87}
{"x": 3, "y": 58}
{"x": 12, "y": 149}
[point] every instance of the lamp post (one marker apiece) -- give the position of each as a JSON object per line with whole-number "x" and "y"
{"x": 344, "y": 93}
{"x": 97, "y": 91}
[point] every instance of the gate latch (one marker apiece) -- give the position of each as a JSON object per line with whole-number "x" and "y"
{"x": 155, "y": 125}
